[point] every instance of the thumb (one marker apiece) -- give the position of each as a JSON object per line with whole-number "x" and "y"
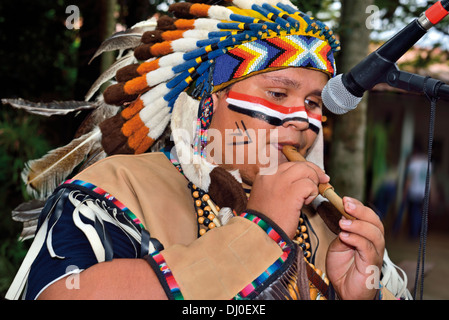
{"x": 324, "y": 178}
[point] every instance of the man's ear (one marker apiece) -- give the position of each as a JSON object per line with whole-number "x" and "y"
{"x": 220, "y": 96}
{"x": 215, "y": 99}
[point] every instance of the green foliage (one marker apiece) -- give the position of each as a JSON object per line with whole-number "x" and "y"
{"x": 21, "y": 139}
{"x": 38, "y": 52}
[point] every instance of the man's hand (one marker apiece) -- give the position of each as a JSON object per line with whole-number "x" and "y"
{"x": 361, "y": 244}
{"x": 280, "y": 196}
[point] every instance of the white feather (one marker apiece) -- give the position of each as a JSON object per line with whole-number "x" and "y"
{"x": 157, "y": 120}
{"x": 245, "y": 4}
{"x": 154, "y": 94}
{"x": 171, "y": 60}
{"x": 207, "y": 24}
{"x": 147, "y": 25}
{"x": 157, "y": 131}
{"x": 159, "y": 75}
{"x": 197, "y": 34}
{"x": 184, "y": 45}
{"x": 220, "y": 13}
{"x": 152, "y": 109}
{"x": 183, "y": 121}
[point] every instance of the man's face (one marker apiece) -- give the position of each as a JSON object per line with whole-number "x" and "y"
{"x": 257, "y": 116}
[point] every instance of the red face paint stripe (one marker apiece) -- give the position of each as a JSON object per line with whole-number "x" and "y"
{"x": 268, "y": 104}
{"x": 318, "y": 117}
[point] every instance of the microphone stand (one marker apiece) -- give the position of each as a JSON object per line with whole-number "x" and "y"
{"x": 434, "y": 90}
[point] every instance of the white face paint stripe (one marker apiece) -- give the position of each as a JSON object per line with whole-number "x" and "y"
{"x": 262, "y": 102}
{"x": 270, "y": 112}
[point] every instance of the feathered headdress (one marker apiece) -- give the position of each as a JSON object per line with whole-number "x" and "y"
{"x": 201, "y": 49}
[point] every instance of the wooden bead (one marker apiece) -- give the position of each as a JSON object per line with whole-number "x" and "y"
{"x": 201, "y": 219}
{"x": 200, "y": 212}
{"x": 211, "y": 225}
{"x": 206, "y": 197}
{"x": 202, "y": 232}
{"x": 211, "y": 217}
{"x": 195, "y": 194}
{"x": 303, "y": 229}
{"x": 207, "y": 208}
{"x": 198, "y": 203}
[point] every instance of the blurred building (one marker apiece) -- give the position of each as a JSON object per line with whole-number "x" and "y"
{"x": 401, "y": 119}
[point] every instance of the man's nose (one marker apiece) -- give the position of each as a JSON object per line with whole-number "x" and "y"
{"x": 297, "y": 124}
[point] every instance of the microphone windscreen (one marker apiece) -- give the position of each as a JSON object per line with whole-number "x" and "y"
{"x": 337, "y": 98}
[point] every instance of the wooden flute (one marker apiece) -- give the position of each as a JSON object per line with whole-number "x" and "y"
{"x": 326, "y": 190}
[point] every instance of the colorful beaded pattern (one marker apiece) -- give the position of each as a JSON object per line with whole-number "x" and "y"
{"x": 203, "y": 122}
{"x": 272, "y": 54}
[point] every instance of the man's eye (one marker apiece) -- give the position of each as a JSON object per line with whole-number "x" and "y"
{"x": 277, "y": 95}
{"x": 313, "y": 104}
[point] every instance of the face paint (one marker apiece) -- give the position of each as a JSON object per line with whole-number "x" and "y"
{"x": 271, "y": 113}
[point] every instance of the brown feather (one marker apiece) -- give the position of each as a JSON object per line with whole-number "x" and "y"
{"x": 43, "y": 175}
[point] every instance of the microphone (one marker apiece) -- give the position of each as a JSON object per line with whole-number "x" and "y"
{"x": 344, "y": 92}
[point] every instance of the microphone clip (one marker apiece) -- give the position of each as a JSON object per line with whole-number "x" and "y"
{"x": 432, "y": 88}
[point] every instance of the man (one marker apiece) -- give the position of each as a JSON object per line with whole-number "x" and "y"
{"x": 137, "y": 227}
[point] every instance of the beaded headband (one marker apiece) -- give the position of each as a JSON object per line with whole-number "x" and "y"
{"x": 204, "y": 49}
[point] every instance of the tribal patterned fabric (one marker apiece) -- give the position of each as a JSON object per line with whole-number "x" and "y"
{"x": 271, "y": 54}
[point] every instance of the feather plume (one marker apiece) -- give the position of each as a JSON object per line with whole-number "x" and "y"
{"x": 102, "y": 112}
{"x": 28, "y": 213}
{"x": 195, "y": 168}
{"x": 29, "y": 230}
{"x": 48, "y": 109}
{"x": 110, "y": 73}
{"x": 43, "y": 175}
{"x": 127, "y": 39}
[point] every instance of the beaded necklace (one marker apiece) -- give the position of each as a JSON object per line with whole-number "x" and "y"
{"x": 207, "y": 211}
{"x": 208, "y": 218}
